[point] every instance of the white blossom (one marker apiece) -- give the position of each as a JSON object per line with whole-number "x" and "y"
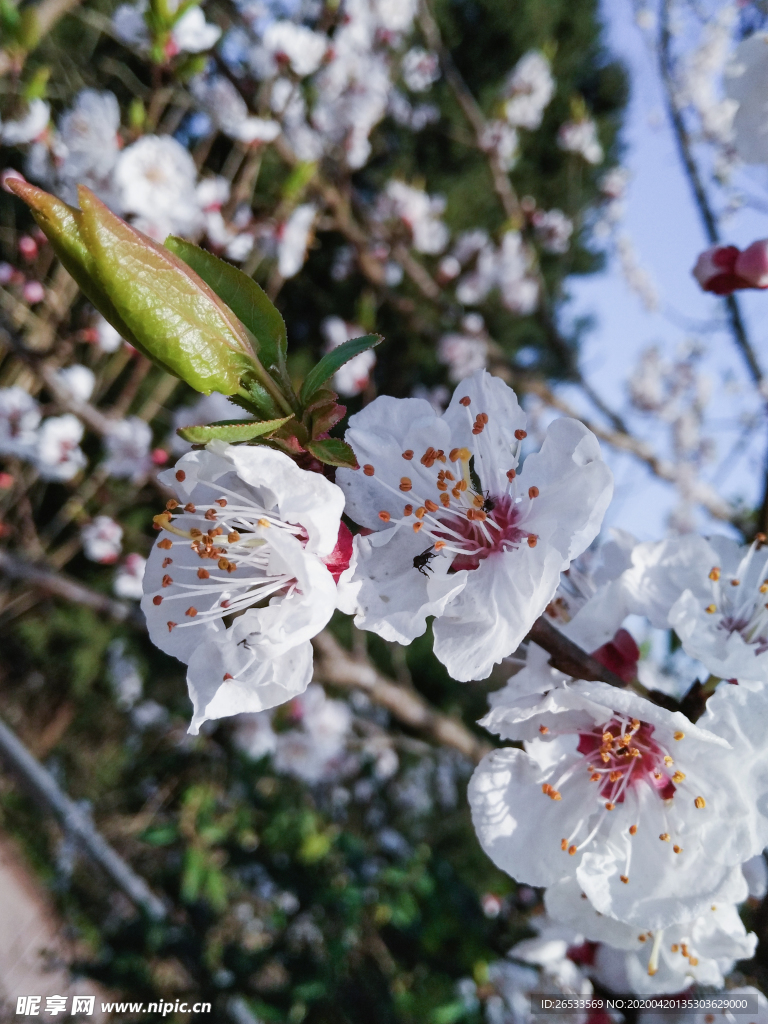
{"x": 102, "y": 540}
{"x": 701, "y": 73}
{"x": 420, "y": 68}
{"x": 463, "y": 354}
{"x": 553, "y": 230}
{"x": 311, "y": 752}
{"x": 229, "y": 112}
{"x": 484, "y": 558}
{"x": 88, "y": 147}
{"x": 302, "y": 48}
{"x": 156, "y": 177}
{"x": 128, "y": 446}
{"x": 58, "y": 455}
{"x": 581, "y": 137}
{"x": 268, "y": 528}
{"x": 293, "y": 240}
{"x": 124, "y": 675}
{"x": 509, "y": 269}
{"x": 107, "y": 338}
{"x": 192, "y": 33}
{"x": 528, "y": 90}
{"x": 746, "y": 84}
{"x": 128, "y": 579}
{"x": 27, "y": 128}
{"x": 648, "y": 811}
{"x": 500, "y": 138}
{"x": 79, "y": 381}
{"x": 420, "y": 212}
{"x": 19, "y": 420}
{"x": 653, "y": 962}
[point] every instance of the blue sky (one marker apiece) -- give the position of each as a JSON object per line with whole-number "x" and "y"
{"x": 664, "y": 226}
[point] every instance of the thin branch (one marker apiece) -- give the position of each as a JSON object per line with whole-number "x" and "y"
{"x": 472, "y": 112}
{"x": 624, "y": 441}
{"x": 88, "y": 413}
{"x": 336, "y": 666}
{"x": 568, "y": 657}
{"x": 77, "y": 824}
{"x": 58, "y": 585}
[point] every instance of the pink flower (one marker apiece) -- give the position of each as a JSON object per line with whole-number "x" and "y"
{"x": 724, "y": 269}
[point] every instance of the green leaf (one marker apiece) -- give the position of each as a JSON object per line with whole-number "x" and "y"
{"x": 333, "y": 452}
{"x": 179, "y": 321}
{"x": 331, "y": 362}
{"x": 247, "y": 300}
{"x": 230, "y": 432}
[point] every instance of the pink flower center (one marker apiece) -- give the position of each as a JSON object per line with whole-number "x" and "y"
{"x": 621, "y": 754}
{"x": 477, "y": 540}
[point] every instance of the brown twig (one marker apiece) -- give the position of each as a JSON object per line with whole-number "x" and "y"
{"x": 626, "y": 442}
{"x": 568, "y": 657}
{"x": 336, "y": 666}
{"x": 77, "y": 824}
{"x": 58, "y": 585}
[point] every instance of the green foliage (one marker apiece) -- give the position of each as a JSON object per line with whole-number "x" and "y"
{"x": 247, "y": 300}
{"x": 333, "y": 361}
{"x": 232, "y": 433}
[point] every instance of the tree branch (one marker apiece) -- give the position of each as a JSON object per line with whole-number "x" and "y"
{"x": 58, "y": 585}
{"x": 568, "y": 657}
{"x": 77, "y": 824}
{"x": 336, "y": 666}
{"x": 624, "y": 441}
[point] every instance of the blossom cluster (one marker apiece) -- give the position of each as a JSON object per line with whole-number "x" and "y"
{"x": 644, "y": 828}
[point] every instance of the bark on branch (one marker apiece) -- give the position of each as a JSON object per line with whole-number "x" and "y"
{"x": 338, "y": 667}
{"x": 77, "y": 824}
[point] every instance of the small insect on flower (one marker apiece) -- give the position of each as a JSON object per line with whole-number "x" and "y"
{"x": 421, "y": 562}
{"x": 489, "y": 503}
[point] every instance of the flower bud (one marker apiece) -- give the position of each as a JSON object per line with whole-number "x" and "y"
{"x": 752, "y": 264}
{"x": 724, "y": 269}
{"x": 177, "y": 319}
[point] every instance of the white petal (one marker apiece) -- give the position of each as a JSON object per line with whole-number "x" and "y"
{"x": 492, "y": 615}
{"x": 392, "y": 597}
{"x": 262, "y": 684}
{"x": 493, "y": 448}
{"x": 379, "y": 434}
{"x": 575, "y": 488}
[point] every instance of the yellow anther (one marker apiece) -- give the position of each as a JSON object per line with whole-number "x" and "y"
{"x": 633, "y": 830}
{"x": 700, "y": 802}
{"x": 668, "y": 760}
{"x": 678, "y": 776}
{"x": 624, "y": 878}
{"x": 714, "y": 573}
{"x": 679, "y": 735}
{"x": 677, "y": 849}
{"x": 264, "y": 523}
{"x": 711, "y": 609}
{"x": 664, "y": 837}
